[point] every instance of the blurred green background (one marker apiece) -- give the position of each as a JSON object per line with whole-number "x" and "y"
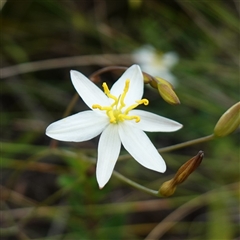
{"x": 52, "y": 193}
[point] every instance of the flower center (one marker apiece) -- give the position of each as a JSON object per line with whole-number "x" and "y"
{"x": 115, "y": 111}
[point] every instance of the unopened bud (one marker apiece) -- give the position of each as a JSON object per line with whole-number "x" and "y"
{"x": 166, "y": 91}
{"x": 187, "y": 168}
{"x": 164, "y": 87}
{"x": 147, "y": 78}
{"x": 169, "y": 187}
{"x": 228, "y": 122}
{"x": 154, "y": 83}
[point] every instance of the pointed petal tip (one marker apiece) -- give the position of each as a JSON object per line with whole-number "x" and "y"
{"x": 76, "y": 74}
{"x": 100, "y": 184}
{"x": 108, "y": 151}
{"x": 161, "y": 167}
{"x": 177, "y": 126}
{"x": 135, "y": 66}
{"x": 164, "y": 168}
{"x": 73, "y": 73}
{"x": 158, "y": 167}
{"x": 47, "y": 133}
{"x": 101, "y": 180}
{"x": 180, "y": 126}
{"x": 48, "y": 130}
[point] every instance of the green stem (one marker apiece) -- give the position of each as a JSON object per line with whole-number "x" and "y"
{"x": 176, "y": 146}
{"x": 186, "y": 144}
{"x": 161, "y": 150}
{"x": 135, "y": 185}
{"x": 115, "y": 173}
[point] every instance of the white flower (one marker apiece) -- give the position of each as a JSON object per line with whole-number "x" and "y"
{"x": 112, "y": 114}
{"x": 156, "y": 64}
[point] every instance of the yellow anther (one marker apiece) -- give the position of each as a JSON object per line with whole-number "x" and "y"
{"x": 114, "y": 111}
{"x": 105, "y": 88}
{"x": 126, "y": 86}
{"x": 137, "y": 118}
{"x": 96, "y": 106}
{"x": 122, "y": 96}
{"x": 107, "y": 92}
{"x": 139, "y": 102}
{"x": 143, "y": 101}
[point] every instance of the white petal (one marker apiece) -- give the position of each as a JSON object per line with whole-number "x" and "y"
{"x": 137, "y": 143}
{"x": 144, "y": 55}
{"x": 78, "y": 127}
{"x": 135, "y": 92}
{"x": 108, "y": 152}
{"x": 151, "y": 122}
{"x": 88, "y": 91}
{"x": 170, "y": 59}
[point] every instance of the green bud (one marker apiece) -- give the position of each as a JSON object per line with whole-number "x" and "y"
{"x": 154, "y": 83}
{"x": 166, "y": 91}
{"x": 147, "y": 78}
{"x": 228, "y": 122}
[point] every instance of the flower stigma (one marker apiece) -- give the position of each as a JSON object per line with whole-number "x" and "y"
{"x": 116, "y": 111}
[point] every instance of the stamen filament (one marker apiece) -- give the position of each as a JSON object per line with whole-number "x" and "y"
{"x": 139, "y": 102}
{"x": 96, "y": 106}
{"x": 126, "y": 117}
{"x": 111, "y": 116}
{"x": 126, "y": 88}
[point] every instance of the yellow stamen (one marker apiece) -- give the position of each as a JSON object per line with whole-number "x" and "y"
{"x": 126, "y": 88}
{"x": 139, "y": 102}
{"x": 107, "y": 91}
{"x": 114, "y": 111}
{"x": 123, "y": 117}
